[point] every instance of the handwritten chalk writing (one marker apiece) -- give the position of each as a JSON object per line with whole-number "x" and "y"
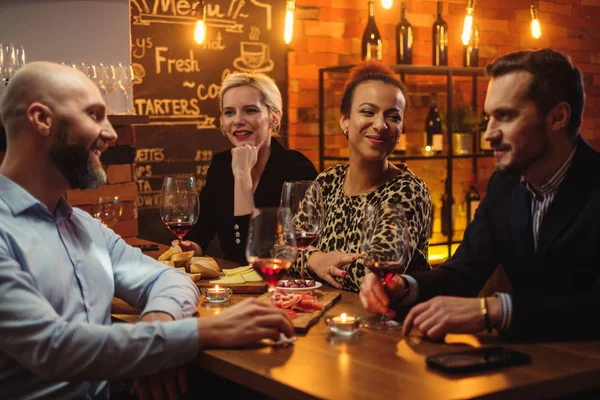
{"x": 254, "y": 33}
{"x": 144, "y": 200}
{"x": 143, "y": 185}
{"x": 167, "y": 106}
{"x": 181, "y": 64}
{"x": 203, "y": 155}
{"x": 214, "y": 44}
{"x": 140, "y": 46}
{"x": 186, "y": 7}
{"x": 204, "y": 93}
{"x": 150, "y": 155}
{"x": 141, "y": 9}
{"x": 143, "y": 171}
{"x": 202, "y": 170}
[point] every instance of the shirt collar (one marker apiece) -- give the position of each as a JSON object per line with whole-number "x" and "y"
{"x": 19, "y": 200}
{"x": 555, "y": 180}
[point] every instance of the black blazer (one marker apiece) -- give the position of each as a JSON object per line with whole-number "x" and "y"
{"x": 555, "y": 290}
{"x": 216, "y": 198}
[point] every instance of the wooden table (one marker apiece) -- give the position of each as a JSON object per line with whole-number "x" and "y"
{"x": 385, "y": 365}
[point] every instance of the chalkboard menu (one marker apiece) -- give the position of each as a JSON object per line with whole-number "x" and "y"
{"x": 177, "y": 83}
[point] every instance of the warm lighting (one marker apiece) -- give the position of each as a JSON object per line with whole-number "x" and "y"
{"x": 288, "y": 33}
{"x": 217, "y": 294}
{"x": 536, "y": 30}
{"x": 468, "y": 25}
{"x": 345, "y": 325}
{"x": 387, "y": 4}
{"x": 200, "y": 28}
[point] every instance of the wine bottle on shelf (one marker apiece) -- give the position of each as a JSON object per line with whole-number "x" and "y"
{"x": 440, "y": 38}
{"x": 472, "y": 199}
{"x": 471, "y": 50}
{"x": 484, "y": 146}
{"x": 404, "y": 39}
{"x": 434, "y": 137}
{"x": 447, "y": 211}
{"x": 372, "y": 47}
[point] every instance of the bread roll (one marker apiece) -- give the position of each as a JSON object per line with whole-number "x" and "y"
{"x": 182, "y": 260}
{"x": 166, "y": 256}
{"x": 207, "y": 266}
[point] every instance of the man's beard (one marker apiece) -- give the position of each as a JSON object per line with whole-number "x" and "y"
{"x": 73, "y": 161}
{"x": 519, "y": 165}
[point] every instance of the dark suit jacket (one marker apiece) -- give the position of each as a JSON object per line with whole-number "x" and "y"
{"x": 555, "y": 289}
{"x": 216, "y": 198}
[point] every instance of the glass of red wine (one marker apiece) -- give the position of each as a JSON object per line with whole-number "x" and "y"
{"x": 271, "y": 246}
{"x": 305, "y": 200}
{"x": 180, "y": 205}
{"x": 385, "y": 249}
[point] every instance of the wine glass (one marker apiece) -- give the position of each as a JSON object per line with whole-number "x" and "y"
{"x": 305, "y": 200}
{"x": 108, "y": 210}
{"x": 384, "y": 249}
{"x": 180, "y": 205}
{"x": 271, "y": 246}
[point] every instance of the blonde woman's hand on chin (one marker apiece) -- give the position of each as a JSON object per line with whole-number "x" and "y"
{"x": 243, "y": 159}
{"x": 327, "y": 265}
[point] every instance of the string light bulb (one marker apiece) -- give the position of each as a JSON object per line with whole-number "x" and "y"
{"x": 387, "y": 4}
{"x": 200, "y": 27}
{"x": 536, "y": 29}
{"x": 468, "y": 24}
{"x": 288, "y": 32}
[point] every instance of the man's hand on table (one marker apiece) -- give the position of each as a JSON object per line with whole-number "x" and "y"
{"x": 245, "y": 323}
{"x": 172, "y": 382}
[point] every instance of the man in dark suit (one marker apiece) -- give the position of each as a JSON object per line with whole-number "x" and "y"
{"x": 540, "y": 219}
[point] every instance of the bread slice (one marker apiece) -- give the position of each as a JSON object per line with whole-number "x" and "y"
{"x": 182, "y": 260}
{"x": 195, "y": 277}
{"x": 166, "y": 256}
{"x": 168, "y": 263}
{"x": 207, "y": 266}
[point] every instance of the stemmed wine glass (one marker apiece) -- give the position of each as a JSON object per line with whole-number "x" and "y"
{"x": 180, "y": 205}
{"x": 384, "y": 249}
{"x": 271, "y": 246}
{"x": 305, "y": 200}
{"x": 108, "y": 210}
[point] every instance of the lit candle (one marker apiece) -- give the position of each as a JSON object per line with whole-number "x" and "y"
{"x": 343, "y": 325}
{"x": 217, "y": 294}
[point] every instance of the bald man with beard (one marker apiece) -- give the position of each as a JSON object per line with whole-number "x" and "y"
{"x": 60, "y": 268}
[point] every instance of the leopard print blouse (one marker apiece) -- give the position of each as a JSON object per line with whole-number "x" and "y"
{"x": 342, "y": 228}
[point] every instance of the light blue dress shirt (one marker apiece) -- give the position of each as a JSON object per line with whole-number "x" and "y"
{"x": 58, "y": 276}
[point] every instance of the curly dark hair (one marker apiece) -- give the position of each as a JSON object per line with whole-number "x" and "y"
{"x": 370, "y": 70}
{"x": 555, "y": 79}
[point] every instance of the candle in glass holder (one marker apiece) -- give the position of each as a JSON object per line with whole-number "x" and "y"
{"x": 217, "y": 294}
{"x": 345, "y": 325}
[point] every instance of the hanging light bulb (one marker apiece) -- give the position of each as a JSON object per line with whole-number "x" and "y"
{"x": 536, "y": 29}
{"x": 468, "y": 25}
{"x": 288, "y": 32}
{"x": 200, "y": 28}
{"x": 387, "y": 4}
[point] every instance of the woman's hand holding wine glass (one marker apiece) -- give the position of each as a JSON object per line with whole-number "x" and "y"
{"x": 305, "y": 200}
{"x": 180, "y": 206}
{"x": 385, "y": 249}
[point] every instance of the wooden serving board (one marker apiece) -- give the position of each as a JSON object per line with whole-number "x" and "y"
{"x": 238, "y": 288}
{"x": 304, "y": 321}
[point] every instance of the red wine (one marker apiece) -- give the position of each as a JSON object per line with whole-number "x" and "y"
{"x": 372, "y": 47}
{"x": 404, "y": 39}
{"x": 384, "y": 270}
{"x": 440, "y": 38}
{"x": 180, "y": 229}
{"x": 271, "y": 269}
{"x": 305, "y": 240}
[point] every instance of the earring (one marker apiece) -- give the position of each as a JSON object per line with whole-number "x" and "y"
{"x": 346, "y": 133}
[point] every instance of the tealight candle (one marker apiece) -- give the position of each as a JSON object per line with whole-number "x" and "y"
{"x": 217, "y": 294}
{"x": 345, "y": 325}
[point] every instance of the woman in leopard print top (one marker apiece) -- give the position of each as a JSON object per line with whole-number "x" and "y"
{"x": 373, "y": 108}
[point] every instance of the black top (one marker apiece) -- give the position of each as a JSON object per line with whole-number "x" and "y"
{"x": 555, "y": 288}
{"x": 216, "y": 198}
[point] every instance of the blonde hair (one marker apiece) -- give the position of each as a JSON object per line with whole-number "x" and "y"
{"x": 269, "y": 92}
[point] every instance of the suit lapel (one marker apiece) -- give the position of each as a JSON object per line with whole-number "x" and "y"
{"x": 570, "y": 199}
{"x": 520, "y": 223}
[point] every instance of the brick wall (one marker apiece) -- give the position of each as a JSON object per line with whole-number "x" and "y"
{"x": 328, "y": 33}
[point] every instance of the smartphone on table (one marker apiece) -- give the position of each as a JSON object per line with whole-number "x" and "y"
{"x": 477, "y": 360}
